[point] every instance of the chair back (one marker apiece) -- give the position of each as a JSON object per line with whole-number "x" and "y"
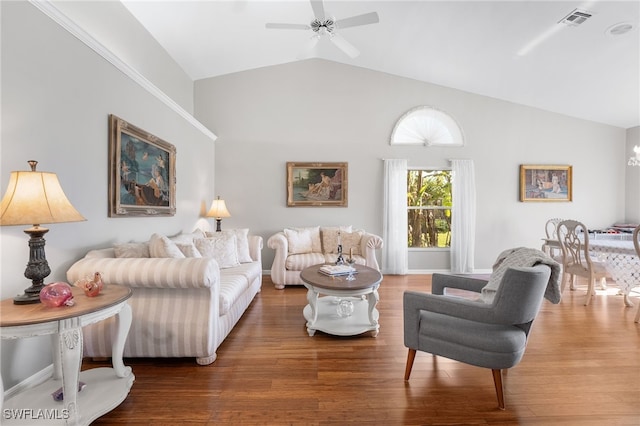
{"x": 551, "y": 228}
{"x": 636, "y": 240}
{"x": 574, "y": 241}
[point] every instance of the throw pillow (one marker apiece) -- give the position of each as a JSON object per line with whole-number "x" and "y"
{"x": 222, "y": 247}
{"x": 188, "y": 249}
{"x": 161, "y": 246}
{"x": 330, "y": 238}
{"x": 316, "y": 243}
{"x": 299, "y": 241}
{"x": 135, "y": 250}
{"x": 351, "y": 242}
{"x": 242, "y": 242}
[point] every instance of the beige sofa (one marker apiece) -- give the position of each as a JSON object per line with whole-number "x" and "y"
{"x": 184, "y": 302}
{"x": 299, "y": 248}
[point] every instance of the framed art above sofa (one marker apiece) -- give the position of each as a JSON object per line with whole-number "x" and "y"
{"x": 317, "y": 184}
{"x": 142, "y": 172}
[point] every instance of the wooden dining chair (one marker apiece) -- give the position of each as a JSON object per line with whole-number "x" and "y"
{"x": 636, "y": 244}
{"x": 574, "y": 241}
{"x": 551, "y": 244}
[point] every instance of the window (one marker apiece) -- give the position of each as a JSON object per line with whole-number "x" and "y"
{"x": 427, "y": 126}
{"x": 429, "y": 208}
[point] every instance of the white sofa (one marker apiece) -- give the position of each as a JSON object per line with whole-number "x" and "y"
{"x": 299, "y": 248}
{"x": 183, "y": 305}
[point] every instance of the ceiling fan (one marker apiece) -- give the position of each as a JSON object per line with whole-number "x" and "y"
{"x": 322, "y": 25}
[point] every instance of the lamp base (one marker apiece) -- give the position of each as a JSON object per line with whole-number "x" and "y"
{"x": 218, "y": 225}
{"x": 37, "y": 268}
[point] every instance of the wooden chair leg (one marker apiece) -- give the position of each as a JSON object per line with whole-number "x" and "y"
{"x": 497, "y": 380}
{"x": 411, "y": 356}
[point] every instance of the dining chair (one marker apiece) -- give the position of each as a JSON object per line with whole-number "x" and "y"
{"x": 636, "y": 244}
{"x": 574, "y": 241}
{"x": 551, "y": 245}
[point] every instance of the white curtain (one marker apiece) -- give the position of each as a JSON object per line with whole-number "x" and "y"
{"x": 394, "y": 228}
{"x": 463, "y": 227}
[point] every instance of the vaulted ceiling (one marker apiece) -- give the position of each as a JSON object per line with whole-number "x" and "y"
{"x": 517, "y": 51}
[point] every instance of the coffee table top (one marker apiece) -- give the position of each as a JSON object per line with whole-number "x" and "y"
{"x": 365, "y": 278}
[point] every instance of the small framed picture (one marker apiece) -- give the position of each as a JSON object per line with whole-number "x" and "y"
{"x": 317, "y": 184}
{"x": 545, "y": 183}
{"x": 142, "y": 172}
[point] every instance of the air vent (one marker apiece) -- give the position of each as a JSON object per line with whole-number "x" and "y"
{"x": 575, "y": 18}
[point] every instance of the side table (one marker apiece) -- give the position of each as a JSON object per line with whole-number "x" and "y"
{"x": 321, "y": 312}
{"x": 105, "y": 388}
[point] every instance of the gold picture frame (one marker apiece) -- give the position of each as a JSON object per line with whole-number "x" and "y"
{"x": 142, "y": 172}
{"x": 546, "y": 183}
{"x": 317, "y": 184}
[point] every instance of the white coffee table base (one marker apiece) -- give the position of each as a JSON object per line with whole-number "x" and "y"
{"x": 325, "y": 316}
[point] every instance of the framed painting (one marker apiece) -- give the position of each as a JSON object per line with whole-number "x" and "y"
{"x": 317, "y": 184}
{"x": 545, "y": 183}
{"x": 142, "y": 172}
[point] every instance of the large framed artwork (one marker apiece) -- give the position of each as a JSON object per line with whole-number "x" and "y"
{"x": 142, "y": 172}
{"x": 317, "y": 184}
{"x": 545, "y": 183}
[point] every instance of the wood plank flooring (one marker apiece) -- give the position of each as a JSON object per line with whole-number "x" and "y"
{"x": 582, "y": 367}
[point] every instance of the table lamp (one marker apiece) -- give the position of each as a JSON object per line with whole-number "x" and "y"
{"x": 218, "y": 210}
{"x": 34, "y": 198}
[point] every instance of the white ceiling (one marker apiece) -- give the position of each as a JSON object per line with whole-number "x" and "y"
{"x": 469, "y": 45}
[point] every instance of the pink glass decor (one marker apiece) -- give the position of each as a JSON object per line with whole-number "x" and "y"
{"x": 56, "y": 294}
{"x": 91, "y": 286}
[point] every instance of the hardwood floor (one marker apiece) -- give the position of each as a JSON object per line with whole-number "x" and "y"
{"x": 582, "y": 367}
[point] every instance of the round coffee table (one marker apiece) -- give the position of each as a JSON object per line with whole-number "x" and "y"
{"x": 322, "y": 312}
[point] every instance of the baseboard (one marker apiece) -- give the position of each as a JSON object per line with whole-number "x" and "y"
{"x": 32, "y": 381}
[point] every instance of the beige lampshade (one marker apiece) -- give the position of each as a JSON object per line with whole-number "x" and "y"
{"x": 34, "y": 198}
{"x": 218, "y": 209}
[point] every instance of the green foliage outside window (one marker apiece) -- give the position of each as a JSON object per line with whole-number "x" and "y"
{"x": 429, "y": 208}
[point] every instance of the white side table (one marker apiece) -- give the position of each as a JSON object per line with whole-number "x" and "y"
{"x": 321, "y": 312}
{"x": 105, "y": 388}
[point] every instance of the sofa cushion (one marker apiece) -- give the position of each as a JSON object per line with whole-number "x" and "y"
{"x": 331, "y": 258}
{"x": 330, "y": 238}
{"x": 222, "y": 247}
{"x": 299, "y": 241}
{"x": 242, "y": 242}
{"x": 131, "y": 250}
{"x": 231, "y": 288}
{"x": 161, "y": 246}
{"x": 189, "y": 249}
{"x": 249, "y": 270}
{"x": 297, "y": 262}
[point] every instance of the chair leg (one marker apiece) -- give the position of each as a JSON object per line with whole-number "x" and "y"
{"x": 591, "y": 290}
{"x": 497, "y": 380}
{"x": 411, "y": 356}
{"x": 637, "y": 315}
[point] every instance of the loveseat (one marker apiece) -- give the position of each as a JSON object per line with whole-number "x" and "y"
{"x": 188, "y": 292}
{"x": 299, "y": 248}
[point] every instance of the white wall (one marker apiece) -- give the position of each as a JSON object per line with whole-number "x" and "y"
{"x": 56, "y": 97}
{"x": 317, "y": 110}
{"x": 632, "y": 181}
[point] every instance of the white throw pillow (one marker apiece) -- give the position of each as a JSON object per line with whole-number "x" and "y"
{"x": 330, "y": 238}
{"x": 316, "y": 242}
{"x": 299, "y": 241}
{"x": 161, "y": 246}
{"x": 220, "y": 246}
{"x": 188, "y": 249}
{"x": 135, "y": 250}
{"x": 242, "y": 242}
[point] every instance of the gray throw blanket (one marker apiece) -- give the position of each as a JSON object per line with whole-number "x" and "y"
{"x": 523, "y": 257}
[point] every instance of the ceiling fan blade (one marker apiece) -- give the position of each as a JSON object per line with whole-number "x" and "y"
{"x": 318, "y": 9}
{"x": 354, "y": 21}
{"x": 287, "y": 26}
{"x": 305, "y": 52}
{"x": 344, "y": 45}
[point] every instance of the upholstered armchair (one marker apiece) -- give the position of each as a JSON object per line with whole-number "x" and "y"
{"x": 470, "y": 330}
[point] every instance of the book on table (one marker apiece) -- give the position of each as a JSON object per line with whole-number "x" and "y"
{"x": 334, "y": 270}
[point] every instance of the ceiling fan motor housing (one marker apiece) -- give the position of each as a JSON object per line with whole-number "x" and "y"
{"x": 328, "y": 25}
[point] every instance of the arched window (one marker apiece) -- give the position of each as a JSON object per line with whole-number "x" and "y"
{"x": 427, "y": 126}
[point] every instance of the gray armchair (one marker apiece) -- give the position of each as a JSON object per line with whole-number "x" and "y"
{"x": 471, "y": 331}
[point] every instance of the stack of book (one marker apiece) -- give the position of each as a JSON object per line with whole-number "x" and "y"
{"x": 335, "y": 270}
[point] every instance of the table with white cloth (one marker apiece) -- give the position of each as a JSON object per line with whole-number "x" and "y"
{"x": 621, "y": 262}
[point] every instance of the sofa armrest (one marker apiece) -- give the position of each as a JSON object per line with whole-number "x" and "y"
{"x": 279, "y": 243}
{"x": 255, "y": 247}
{"x": 368, "y": 246}
{"x": 149, "y": 272}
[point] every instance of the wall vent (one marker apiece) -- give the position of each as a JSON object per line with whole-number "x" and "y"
{"x": 575, "y": 18}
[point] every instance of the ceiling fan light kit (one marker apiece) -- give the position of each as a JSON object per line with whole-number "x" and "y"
{"x": 322, "y": 25}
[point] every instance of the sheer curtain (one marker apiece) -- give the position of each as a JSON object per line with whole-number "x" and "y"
{"x": 463, "y": 228}
{"x": 394, "y": 228}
